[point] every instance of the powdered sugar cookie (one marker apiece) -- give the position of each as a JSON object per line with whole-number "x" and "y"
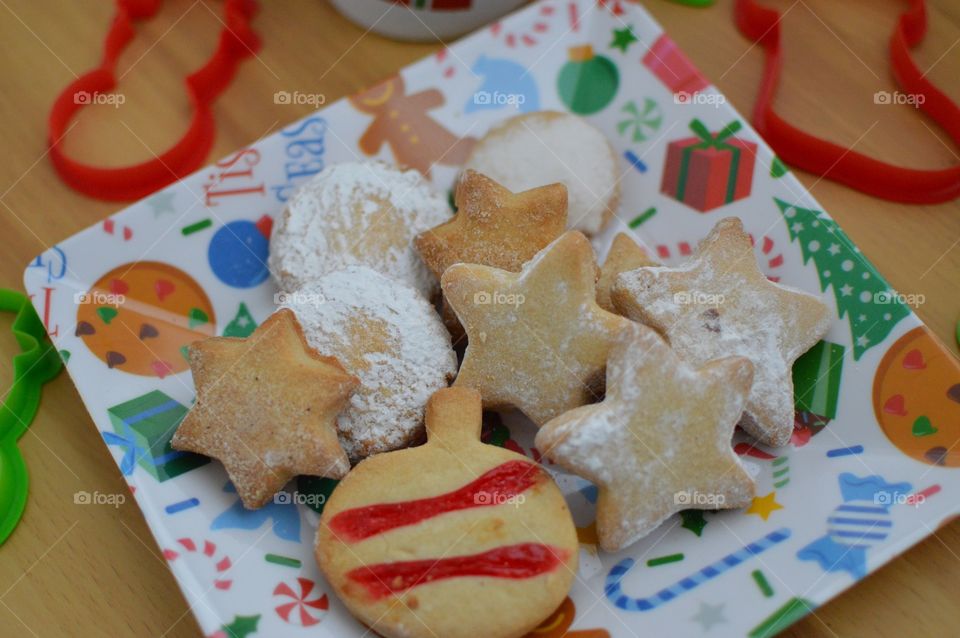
{"x": 363, "y": 213}
{"x": 266, "y": 408}
{"x": 454, "y": 538}
{"x": 538, "y": 341}
{"x": 624, "y": 254}
{"x": 391, "y": 338}
{"x": 659, "y": 442}
{"x": 540, "y": 148}
{"x": 720, "y": 304}
{"x": 493, "y": 227}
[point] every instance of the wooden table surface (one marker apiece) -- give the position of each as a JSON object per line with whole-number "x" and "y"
{"x": 95, "y": 570}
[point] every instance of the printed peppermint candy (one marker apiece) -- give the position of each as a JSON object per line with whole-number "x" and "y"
{"x": 872, "y": 309}
{"x": 640, "y": 123}
{"x": 299, "y": 604}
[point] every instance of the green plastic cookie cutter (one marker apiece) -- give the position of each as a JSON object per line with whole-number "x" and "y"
{"x": 37, "y": 363}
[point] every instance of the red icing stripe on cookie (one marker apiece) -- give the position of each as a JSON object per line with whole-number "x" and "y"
{"x": 494, "y": 487}
{"x": 524, "y": 560}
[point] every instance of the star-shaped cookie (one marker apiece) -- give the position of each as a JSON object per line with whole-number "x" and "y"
{"x": 624, "y": 254}
{"x": 659, "y": 442}
{"x": 538, "y": 341}
{"x": 495, "y": 226}
{"x": 266, "y": 408}
{"x": 720, "y": 304}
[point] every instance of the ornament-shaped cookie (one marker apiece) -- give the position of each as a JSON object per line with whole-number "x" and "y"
{"x": 356, "y": 213}
{"x": 454, "y": 538}
{"x": 659, "y": 442}
{"x": 538, "y": 341}
{"x": 719, "y": 304}
{"x": 266, "y": 408}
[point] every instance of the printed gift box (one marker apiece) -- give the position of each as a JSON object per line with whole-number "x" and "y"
{"x": 816, "y": 380}
{"x": 143, "y": 428}
{"x": 666, "y": 61}
{"x": 711, "y": 169}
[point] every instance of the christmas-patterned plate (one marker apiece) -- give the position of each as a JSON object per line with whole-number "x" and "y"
{"x": 873, "y": 464}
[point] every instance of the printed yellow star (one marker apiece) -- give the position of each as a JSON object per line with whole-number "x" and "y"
{"x": 764, "y": 506}
{"x": 266, "y": 408}
{"x": 538, "y": 341}
{"x": 720, "y": 304}
{"x": 659, "y": 442}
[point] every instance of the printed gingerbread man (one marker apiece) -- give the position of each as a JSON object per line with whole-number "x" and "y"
{"x": 416, "y": 139}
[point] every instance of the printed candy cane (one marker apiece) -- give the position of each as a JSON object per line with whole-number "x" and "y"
{"x": 209, "y": 550}
{"x": 511, "y": 39}
{"x": 773, "y": 261}
{"x": 683, "y": 250}
{"x": 441, "y": 57}
{"x": 615, "y": 7}
{"x": 615, "y": 593}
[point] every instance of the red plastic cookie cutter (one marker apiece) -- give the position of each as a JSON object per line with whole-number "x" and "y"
{"x": 237, "y": 41}
{"x": 844, "y": 165}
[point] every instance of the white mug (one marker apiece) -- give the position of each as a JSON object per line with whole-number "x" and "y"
{"x": 424, "y": 20}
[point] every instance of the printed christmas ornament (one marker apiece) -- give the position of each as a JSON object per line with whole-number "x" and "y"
{"x": 587, "y": 82}
{"x": 238, "y": 252}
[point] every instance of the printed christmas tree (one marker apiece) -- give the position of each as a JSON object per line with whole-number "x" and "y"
{"x": 871, "y": 308}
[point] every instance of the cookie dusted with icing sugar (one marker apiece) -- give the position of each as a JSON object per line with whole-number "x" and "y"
{"x": 546, "y": 147}
{"x": 493, "y": 227}
{"x": 659, "y": 442}
{"x": 624, "y": 254}
{"x": 538, "y": 341}
{"x": 389, "y": 336}
{"x": 720, "y": 304}
{"x": 356, "y": 213}
{"x": 454, "y": 538}
{"x": 266, "y": 408}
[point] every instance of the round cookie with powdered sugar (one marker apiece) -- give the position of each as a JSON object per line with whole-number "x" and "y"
{"x": 390, "y": 337}
{"x": 356, "y": 213}
{"x": 546, "y": 147}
